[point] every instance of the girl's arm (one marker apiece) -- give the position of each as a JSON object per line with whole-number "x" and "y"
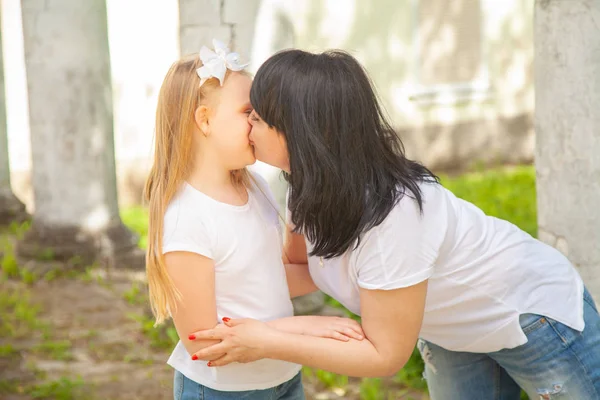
{"x": 391, "y": 320}
{"x": 194, "y": 277}
{"x": 337, "y": 328}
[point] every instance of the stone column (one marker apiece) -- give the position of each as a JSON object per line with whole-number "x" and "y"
{"x": 11, "y": 208}
{"x": 230, "y": 21}
{"x": 71, "y": 119}
{"x": 567, "y": 126}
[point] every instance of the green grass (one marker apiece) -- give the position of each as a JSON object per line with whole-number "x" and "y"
{"x": 136, "y": 218}
{"x": 55, "y": 350}
{"x": 161, "y": 337}
{"x": 7, "y": 350}
{"x": 507, "y": 193}
{"x": 136, "y": 295}
{"x": 9, "y": 268}
{"x": 19, "y": 315}
{"x": 61, "y": 389}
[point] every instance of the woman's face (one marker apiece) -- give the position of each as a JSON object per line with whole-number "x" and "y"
{"x": 269, "y": 144}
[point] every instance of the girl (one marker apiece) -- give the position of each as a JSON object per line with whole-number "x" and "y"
{"x": 214, "y": 244}
{"x": 495, "y": 309}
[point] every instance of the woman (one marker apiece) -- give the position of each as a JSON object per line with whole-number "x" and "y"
{"x": 494, "y": 309}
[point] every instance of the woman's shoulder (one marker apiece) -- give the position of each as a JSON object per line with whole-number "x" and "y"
{"x": 432, "y": 196}
{"x": 430, "y": 218}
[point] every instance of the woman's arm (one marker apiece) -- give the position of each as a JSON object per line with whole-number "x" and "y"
{"x": 299, "y": 280}
{"x": 390, "y": 325}
{"x": 294, "y": 247}
{"x": 194, "y": 277}
{"x": 296, "y": 264}
{"x": 392, "y": 332}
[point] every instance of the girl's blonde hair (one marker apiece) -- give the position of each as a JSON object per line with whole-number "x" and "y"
{"x": 179, "y": 97}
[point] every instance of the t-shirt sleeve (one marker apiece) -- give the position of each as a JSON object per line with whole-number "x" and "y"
{"x": 186, "y": 234}
{"x": 403, "y": 249}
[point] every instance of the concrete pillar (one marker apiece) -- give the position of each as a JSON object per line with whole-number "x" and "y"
{"x": 567, "y": 126}
{"x": 11, "y": 208}
{"x": 71, "y": 121}
{"x": 230, "y": 21}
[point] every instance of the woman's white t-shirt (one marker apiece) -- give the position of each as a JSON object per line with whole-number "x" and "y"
{"x": 245, "y": 244}
{"x": 483, "y": 272}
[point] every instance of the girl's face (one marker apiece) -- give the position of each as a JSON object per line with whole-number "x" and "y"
{"x": 229, "y": 123}
{"x": 269, "y": 144}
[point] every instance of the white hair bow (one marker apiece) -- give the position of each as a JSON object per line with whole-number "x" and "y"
{"x": 215, "y": 63}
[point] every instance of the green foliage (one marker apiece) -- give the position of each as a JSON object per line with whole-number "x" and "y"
{"x": 162, "y": 336}
{"x": 61, "y": 389}
{"x": 19, "y": 315}
{"x": 136, "y": 218}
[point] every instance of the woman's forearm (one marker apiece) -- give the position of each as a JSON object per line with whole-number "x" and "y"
{"x": 299, "y": 281}
{"x": 353, "y": 358}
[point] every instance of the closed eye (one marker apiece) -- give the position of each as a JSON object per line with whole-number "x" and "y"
{"x": 253, "y": 117}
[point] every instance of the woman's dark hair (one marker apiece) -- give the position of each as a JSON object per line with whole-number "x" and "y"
{"x": 348, "y": 168}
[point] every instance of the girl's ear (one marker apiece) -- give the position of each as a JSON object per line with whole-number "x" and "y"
{"x": 201, "y": 119}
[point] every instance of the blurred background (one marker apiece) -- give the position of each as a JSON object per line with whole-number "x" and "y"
{"x": 80, "y": 83}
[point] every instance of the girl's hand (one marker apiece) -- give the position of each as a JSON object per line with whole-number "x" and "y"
{"x": 243, "y": 341}
{"x": 338, "y": 328}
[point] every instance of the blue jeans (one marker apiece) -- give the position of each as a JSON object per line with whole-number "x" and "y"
{"x": 186, "y": 389}
{"x": 557, "y": 362}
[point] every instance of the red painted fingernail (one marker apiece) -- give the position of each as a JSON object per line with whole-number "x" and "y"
{"x": 194, "y": 357}
{"x": 209, "y": 364}
{"x": 192, "y": 337}
{"x": 226, "y": 319}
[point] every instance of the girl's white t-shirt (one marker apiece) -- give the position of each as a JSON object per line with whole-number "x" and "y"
{"x": 250, "y": 281}
{"x": 483, "y": 272}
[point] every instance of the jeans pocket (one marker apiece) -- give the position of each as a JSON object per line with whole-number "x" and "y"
{"x": 532, "y": 322}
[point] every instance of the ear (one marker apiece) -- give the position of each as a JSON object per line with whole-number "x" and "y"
{"x": 201, "y": 118}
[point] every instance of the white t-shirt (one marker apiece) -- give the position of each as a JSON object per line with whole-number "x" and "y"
{"x": 250, "y": 282}
{"x": 483, "y": 272}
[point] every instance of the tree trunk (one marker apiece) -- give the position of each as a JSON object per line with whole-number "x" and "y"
{"x": 567, "y": 125}
{"x": 70, "y": 110}
{"x": 11, "y": 208}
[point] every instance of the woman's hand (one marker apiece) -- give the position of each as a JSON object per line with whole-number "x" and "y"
{"x": 243, "y": 341}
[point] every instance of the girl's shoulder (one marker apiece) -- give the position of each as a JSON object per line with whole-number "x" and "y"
{"x": 187, "y": 209}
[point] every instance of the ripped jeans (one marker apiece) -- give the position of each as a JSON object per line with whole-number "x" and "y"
{"x": 557, "y": 362}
